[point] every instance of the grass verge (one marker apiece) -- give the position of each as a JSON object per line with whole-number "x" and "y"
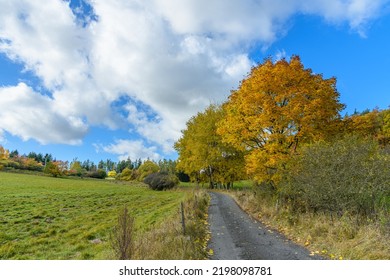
{"x": 168, "y": 242}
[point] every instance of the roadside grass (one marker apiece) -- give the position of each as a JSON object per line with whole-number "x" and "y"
{"x": 332, "y": 237}
{"x": 243, "y": 185}
{"x": 59, "y": 218}
{"x": 167, "y": 242}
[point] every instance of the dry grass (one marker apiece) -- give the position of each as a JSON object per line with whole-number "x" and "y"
{"x": 167, "y": 241}
{"x": 332, "y": 237}
{"x": 122, "y": 236}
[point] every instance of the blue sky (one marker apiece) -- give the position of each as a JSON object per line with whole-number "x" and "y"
{"x": 114, "y": 79}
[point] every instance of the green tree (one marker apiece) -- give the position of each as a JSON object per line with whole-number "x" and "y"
{"x": 14, "y": 154}
{"x": 121, "y": 165}
{"x": 167, "y": 166}
{"x": 76, "y": 168}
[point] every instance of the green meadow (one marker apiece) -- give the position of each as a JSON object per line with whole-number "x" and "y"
{"x": 60, "y": 218}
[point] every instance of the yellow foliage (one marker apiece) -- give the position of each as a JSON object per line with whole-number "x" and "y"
{"x": 202, "y": 155}
{"x": 147, "y": 168}
{"x": 374, "y": 124}
{"x": 4, "y": 153}
{"x": 276, "y": 108}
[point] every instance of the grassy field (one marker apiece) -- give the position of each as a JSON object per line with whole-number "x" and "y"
{"x": 58, "y": 218}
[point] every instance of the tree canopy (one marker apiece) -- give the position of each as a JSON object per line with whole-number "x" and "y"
{"x": 375, "y": 124}
{"x": 202, "y": 153}
{"x": 276, "y": 108}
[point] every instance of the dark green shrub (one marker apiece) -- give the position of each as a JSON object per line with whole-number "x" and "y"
{"x": 98, "y": 174}
{"x": 161, "y": 181}
{"x": 183, "y": 177}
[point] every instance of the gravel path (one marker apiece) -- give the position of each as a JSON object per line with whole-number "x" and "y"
{"x": 236, "y": 236}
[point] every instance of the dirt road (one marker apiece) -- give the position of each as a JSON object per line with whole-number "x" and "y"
{"x": 236, "y": 236}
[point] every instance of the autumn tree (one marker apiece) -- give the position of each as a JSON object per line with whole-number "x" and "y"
{"x": 279, "y": 106}
{"x": 386, "y": 125}
{"x": 4, "y": 153}
{"x": 76, "y": 168}
{"x": 53, "y": 168}
{"x": 147, "y": 168}
{"x": 374, "y": 124}
{"x": 202, "y": 153}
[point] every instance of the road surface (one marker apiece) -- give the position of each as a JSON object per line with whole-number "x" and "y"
{"x": 237, "y": 236}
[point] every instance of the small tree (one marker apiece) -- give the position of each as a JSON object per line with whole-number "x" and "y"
{"x": 76, "y": 168}
{"x": 52, "y": 169}
{"x": 4, "y": 154}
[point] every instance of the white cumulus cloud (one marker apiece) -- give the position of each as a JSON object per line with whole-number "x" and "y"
{"x": 30, "y": 115}
{"x": 169, "y": 57}
{"x": 133, "y": 149}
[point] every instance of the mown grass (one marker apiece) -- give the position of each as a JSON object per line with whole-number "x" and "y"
{"x": 59, "y": 218}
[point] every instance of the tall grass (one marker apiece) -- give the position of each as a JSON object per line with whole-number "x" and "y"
{"x": 168, "y": 241}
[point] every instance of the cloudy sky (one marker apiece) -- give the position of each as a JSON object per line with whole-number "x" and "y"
{"x": 97, "y": 79}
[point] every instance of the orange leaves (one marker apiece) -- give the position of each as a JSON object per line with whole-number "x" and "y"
{"x": 278, "y": 106}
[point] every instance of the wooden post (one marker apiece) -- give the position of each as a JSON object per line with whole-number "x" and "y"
{"x": 182, "y": 218}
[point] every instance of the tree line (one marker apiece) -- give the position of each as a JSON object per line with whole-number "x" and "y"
{"x": 12, "y": 160}
{"x": 283, "y": 129}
